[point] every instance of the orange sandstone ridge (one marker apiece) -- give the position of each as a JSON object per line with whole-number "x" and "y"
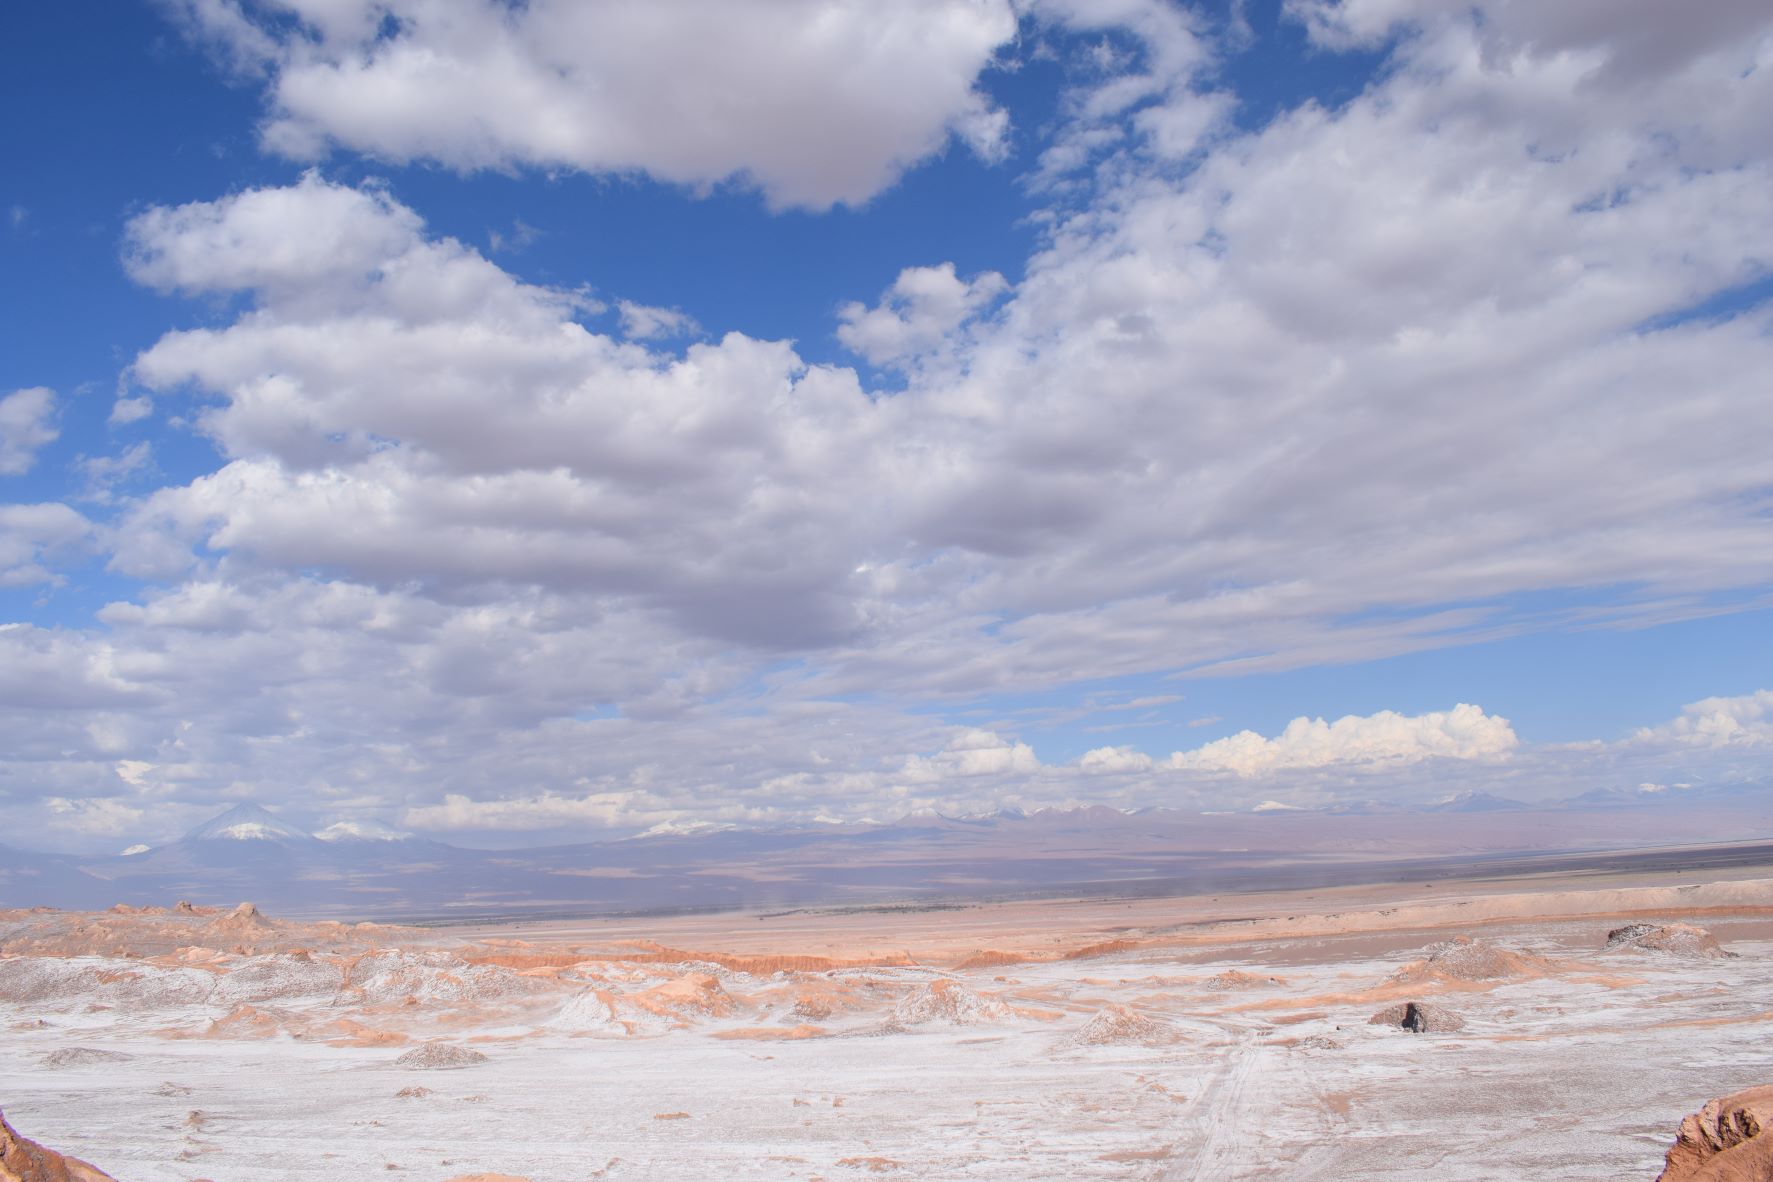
{"x": 1725, "y": 1141}
{"x": 23, "y": 1160}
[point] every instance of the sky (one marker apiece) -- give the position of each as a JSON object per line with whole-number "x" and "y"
{"x": 541, "y": 421}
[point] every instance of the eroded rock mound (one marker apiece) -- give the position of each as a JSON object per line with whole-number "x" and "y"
{"x": 819, "y": 1001}
{"x": 1684, "y": 940}
{"x": 686, "y": 999}
{"x": 1465, "y": 959}
{"x": 23, "y": 1160}
{"x": 595, "y": 1011}
{"x": 243, "y": 1022}
{"x": 1118, "y": 1025}
{"x": 244, "y": 918}
{"x": 950, "y": 1002}
{"x": 440, "y": 1056}
{"x": 83, "y": 1057}
{"x": 1235, "y": 979}
{"x": 390, "y": 976}
{"x": 81, "y": 981}
{"x": 1724, "y": 1141}
{"x": 1418, "y": 1018}
{"x": 280, "y": 977}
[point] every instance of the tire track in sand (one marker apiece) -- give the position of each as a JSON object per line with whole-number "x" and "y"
{"x": 1220, "y": 1112}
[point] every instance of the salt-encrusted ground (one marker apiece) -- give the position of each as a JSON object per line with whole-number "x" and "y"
{"x": 233, "y": 1048}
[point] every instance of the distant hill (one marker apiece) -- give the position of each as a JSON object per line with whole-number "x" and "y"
{"x": 366, "y": 869}
{"x": 1477, "y": 802}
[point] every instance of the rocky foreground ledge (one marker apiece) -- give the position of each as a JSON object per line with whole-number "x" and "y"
{"x": 1725, "y": 1141}
{"x": 23, "y": 1160}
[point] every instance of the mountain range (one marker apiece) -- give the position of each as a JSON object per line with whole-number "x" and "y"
{"x": 366, "y": 869}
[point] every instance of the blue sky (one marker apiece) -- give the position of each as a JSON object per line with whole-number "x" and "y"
{"x": 500, "y": 421}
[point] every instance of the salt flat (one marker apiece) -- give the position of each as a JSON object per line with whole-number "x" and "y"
{"x": 1154, "y": 1039}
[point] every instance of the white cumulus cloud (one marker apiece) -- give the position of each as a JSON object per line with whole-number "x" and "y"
{"x": 813, "y": 101}
{"x": 32, "y": 537}
{"x": 917, "y": 314}
{"x": 129, "y": 409}
{"x": 1744, "y": 721}
{"x": 1115, "y": 759}
{"x": 100, "y": 816}
{"x": 27, "y": 423}
{"x": 644, "y": 322}
{"x": 973, "y": 753}
{"x": 1385, "y": 738}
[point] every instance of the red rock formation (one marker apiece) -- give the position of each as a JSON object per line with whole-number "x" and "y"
{"x": 1724, "y": 1141}
{"x": 693, "y": 995}
{"x": 23, "y": 1160}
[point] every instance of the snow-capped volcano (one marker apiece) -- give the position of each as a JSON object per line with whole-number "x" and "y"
{"x": 247, "y": 822}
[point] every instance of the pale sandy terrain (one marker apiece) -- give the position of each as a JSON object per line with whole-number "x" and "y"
{"x": 1207, "y": 1038}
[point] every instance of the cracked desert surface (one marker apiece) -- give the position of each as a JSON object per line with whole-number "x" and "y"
{"x": 1214, "y": 1037}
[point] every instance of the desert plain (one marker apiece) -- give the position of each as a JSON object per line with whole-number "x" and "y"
{"x": 1570, "y": 1020}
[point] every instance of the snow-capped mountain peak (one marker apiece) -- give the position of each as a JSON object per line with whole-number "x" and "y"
{"x": 246, "y": 822}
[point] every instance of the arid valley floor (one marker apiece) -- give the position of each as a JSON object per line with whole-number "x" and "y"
{"x": 1186, "y": 1038}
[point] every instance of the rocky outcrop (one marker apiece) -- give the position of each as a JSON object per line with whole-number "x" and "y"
{"x": 1673, "y": 939}
{"x": 440, "y": 1056}
{"x": 1118, "y": 1025}
{"x": 1418, "y": 1017}
{"x": 83, "y": 1057}
{"x": 686, "y": 999}
{"x": 1724, "y": 1141}
{"x": 23, "y": 1160}
{"x": 943, "y": 1001}
{"x": 1235, "y": 979}
{"x": 1465, "y": 959}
